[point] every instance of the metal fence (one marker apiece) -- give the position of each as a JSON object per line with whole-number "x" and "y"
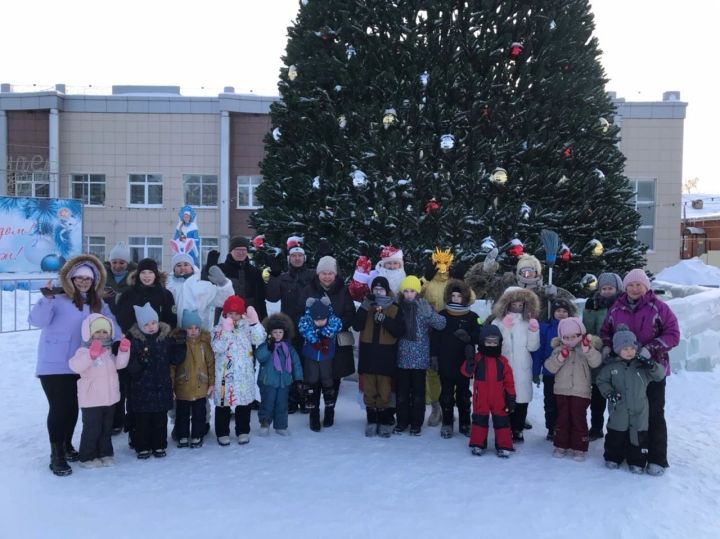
{"x": 17, "y": 296}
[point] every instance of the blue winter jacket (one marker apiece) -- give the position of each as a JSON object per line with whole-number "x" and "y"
{"x": 548, "y": 331}
{"x": 269, "y": 375}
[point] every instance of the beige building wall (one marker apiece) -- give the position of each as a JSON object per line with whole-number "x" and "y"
{"x": 653, "y": 148}
{"x": 118, "y": 145}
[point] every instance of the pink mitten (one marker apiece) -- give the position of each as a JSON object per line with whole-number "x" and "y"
{"x": 228, "y": 324}
{"x": 533, "y": 325}
{"x": 252, "y": 316}
{"x": 96, "y": 349}
{"x": 507, "y": 321}
{"x": 124, "y": 345}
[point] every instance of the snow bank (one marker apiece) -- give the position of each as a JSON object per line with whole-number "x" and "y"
{"x": 699, "y": 318}
{"x": 691, "y": 272}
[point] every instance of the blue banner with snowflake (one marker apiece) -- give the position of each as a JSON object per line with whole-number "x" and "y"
{"x": 38, "y": 234}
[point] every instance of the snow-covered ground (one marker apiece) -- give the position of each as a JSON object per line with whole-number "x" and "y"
{"x": 339, "y": 483}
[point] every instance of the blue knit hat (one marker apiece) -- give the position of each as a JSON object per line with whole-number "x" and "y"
{"x": 319, "y": 310}
{"x": 190, "y": 318}
{"x": 145, "y": 314}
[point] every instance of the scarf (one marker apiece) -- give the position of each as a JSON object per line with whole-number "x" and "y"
{"x": 409, "y": 309}
{"x": 276, "y": 357}
{"x": 383, "y": 301}
{"x": 119, "y": 276}
{"x": 457, "y": 308}
{"x": 602, "y": 302}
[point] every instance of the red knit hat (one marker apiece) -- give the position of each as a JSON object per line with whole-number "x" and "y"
{"x": 234, "y": 304}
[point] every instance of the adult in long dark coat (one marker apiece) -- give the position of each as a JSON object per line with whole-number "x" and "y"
{"x": 328, "y": 283}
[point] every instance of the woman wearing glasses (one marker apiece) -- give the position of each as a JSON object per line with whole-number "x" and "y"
{"x": 59, "y": 314}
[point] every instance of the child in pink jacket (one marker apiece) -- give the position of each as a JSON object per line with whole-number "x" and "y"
{"x": 98, "y": 388}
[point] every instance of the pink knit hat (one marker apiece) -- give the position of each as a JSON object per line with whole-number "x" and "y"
{"x": 571, "y": 326}
{"x": 637, "y": 276}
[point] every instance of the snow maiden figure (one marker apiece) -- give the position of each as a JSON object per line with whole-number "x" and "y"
{"x": 187, "y": 229}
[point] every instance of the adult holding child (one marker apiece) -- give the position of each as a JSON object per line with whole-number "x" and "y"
{"x": 60, "y": 314}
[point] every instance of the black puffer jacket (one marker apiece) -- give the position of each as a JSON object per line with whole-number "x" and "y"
{"x": 253, "y": 289}
{"x": 340, "y": 299}
{"x": 113, "y": 289}
{"x": 149, "y": 368}
{"x": 287, "y": 287}
{"x": 159, "y": 297}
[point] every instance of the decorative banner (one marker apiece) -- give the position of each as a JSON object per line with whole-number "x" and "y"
{"x": 39, "y": 234}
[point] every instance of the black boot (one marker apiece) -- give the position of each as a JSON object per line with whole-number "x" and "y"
{"x": 71, "y": 453}
{"x": 58, "y": 464}
{"x": 329, "y": 416}
{"x": 315, "y": 420}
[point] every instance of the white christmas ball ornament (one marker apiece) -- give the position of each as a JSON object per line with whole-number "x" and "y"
{"x": 424, "y": 78}
{"x": 316, "y": 182}
{"x": 276, "y": 134}
{"x": 359, "y": 178}
{"x": 389, "y": 118}
{"x": 447, "y": 142}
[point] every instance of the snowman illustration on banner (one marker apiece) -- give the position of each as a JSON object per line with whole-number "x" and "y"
{"x": 187, "y": 229}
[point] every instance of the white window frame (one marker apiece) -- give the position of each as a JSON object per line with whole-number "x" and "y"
{"x": 94, "y": 245}
{"x": 207, "y": 245}
{"x": 647, "y": 204}
{"x": 88, "y": 180}
{"x": 205, "y": 180}
{"x": 146, "y": 185}
{"x": 251, "y": 182}
{"x": 35, "y": 180}
{"x": 140, "y": 248}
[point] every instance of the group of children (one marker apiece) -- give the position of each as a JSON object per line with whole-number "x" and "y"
{"x": 398, "y": 339}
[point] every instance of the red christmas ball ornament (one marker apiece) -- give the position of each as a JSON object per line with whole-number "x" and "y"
{"x": 565, "y": 254}
{"x": 258, "y": 241}
{"x": 516, "y": 50}
{"x": 516, "y": 249}
{"x": 485, "y": 112}
{"x": 567, "y": 152}
{"x": 432, "y": 206}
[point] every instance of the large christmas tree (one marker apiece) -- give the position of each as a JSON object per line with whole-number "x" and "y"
{"x": 428, "y": 123}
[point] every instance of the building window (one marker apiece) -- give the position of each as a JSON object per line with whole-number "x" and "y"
{"x": 208, "y": 244}
{"x": 246, "y": 186}
{"x": 201, "y": 190}
{"x": 645, "y": 206}
{"x": 90, "y": 188}
{"x": 32, "y": 184}
{"x": 146, "y": 247}
{"x": 95, "y": 245}
{"x": 146, "y": 190}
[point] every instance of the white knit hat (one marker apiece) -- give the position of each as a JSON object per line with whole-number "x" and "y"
{"x": 327, "y": 263}
{"x": 120, "y": 252}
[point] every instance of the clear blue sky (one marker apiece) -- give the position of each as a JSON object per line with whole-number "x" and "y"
{"x": 650, "y": 46}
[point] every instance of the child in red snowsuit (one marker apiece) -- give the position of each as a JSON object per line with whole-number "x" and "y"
{"x": 493, "y": 392}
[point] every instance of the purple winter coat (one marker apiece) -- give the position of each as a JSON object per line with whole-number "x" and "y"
{"x": 650, "y": 319}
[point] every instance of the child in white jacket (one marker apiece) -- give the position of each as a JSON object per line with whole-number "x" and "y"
{"x": 232, "y": 341}
{"x": 514, "y": 314}
{"x": 98, "y": 388}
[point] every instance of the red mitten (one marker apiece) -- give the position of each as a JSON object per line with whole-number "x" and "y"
{"x": 564, "y": 353}
{"x": 585, "y": 343}
{"x": 96, "y": 349}
{"x": 124, "y": 345}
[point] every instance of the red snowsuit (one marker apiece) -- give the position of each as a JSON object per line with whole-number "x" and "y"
{"x": 493, "y": 390}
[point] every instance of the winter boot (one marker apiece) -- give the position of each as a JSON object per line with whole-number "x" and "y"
{"x": 435, "y": 415}
{"x": 195, "y": 443}
{"x": 636, "y": 470}
{"x": 579, "y": 456}
{"x": 385, "y": 426}
{"x": 550, "y": 435}
{"x": 517, "y": 436}
{"x": 144, "y": 455}
{"x": 399, "y": 429}
{"x": 415, "y": 431}
{"x": 243, "y": 439}
{"x": 223, "y": 440}
{"x": 654, "y": 469}
{"x": 159, "y": 453}
{"x": 527, "y": 425}
{"x": 107, "y": 462}
{"x": 282, "y": 432}
{"x": 371, "y": 428}
{"x": 610, "y": 465}
{"x": 559, "y": 452}
{"x": 595, "y": 435}
{"x": 478, "y": 451}
{"x": 464, "y": 430}
{"x": 58, "y": 463}
{"x": 183, "y": 442}
{"x": 503, "y": 453}
{"x": 71, "y": 453}
{"x": 446, "y": 431}
{"x": 264, "y": 428}
{"x": 90, "y": 464}
{"x": 329, "y": 416}
{"x": 315, "y": 420}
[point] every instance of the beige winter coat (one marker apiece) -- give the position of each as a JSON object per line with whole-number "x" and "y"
{"x": 572, "y": 376}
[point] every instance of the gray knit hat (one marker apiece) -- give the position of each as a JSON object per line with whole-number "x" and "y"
{"x": 611, "y": 279}
{"x": 120, "y": 252}
{"x": 326, "y": 263}
{"x": 622, "y": 338}
{"x": 145, "y": 314}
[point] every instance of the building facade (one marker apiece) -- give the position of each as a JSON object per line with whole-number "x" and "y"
{"x": 137, "y": 155}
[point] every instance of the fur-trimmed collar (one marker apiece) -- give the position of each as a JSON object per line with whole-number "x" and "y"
{"x": 132, "y": 278}
{"x": 514, "y": 293}
{"x": 465, "y": 291}
{"x": 163, "y": 332}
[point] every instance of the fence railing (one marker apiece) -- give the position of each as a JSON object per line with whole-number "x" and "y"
{"x": 18, "y": 293}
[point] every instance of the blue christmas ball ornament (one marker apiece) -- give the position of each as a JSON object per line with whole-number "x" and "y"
{"x": 52, "y": 262}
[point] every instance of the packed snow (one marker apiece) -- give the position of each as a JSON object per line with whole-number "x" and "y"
{"x": 339, "y": 483}
{"x": 690, "y": 272}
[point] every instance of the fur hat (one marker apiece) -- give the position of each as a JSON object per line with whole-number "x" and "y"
{"x": 456, "y": 285}
{"x": 145, "y": 314}
{"x": 528, "y": 261}
{"x": 234, "y": 304}
{"x": 282, "y": 321}
{"x": 120, "y": 252}
{"x": 637, "y": 276}
{"x": 390, "y": 253}
{"x": 326, "y": 263}
{"x": 239, "y": 241}
{"x": 514, "y": 293}
{"x": 93, "y": 323}
{"x": 611, "y": 279}
{"x": 410, "y": 283}
{"x": 570, "y": 326}
{"x": 294, "y": 245}
{"x": 623, "y": 338}
{"x": 381, "y": 282}
{"x": 190, "y": 318}
{"x": 562, "y": 303}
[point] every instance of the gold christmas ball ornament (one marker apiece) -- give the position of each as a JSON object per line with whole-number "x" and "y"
{"x": 596, "y": 248}
{"x": 292, "y": 72}
{"x": 390, "y": 117}
{"x": 499, "y": 176}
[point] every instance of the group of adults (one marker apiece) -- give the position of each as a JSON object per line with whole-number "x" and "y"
{"x": 114, "y": 287}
